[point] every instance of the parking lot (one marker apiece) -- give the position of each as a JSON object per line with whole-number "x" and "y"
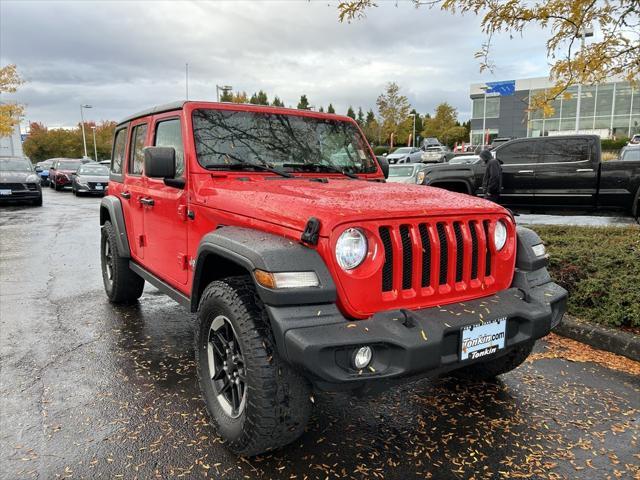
{"x": 91, "y": 390}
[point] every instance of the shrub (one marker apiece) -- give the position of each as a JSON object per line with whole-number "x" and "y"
{"x": 380, "y": 150}
{"x": 608, "y": 144}
{"x": 600, "y": 267}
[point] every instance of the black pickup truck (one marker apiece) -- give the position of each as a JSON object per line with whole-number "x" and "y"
{"x": 562, "y": 171}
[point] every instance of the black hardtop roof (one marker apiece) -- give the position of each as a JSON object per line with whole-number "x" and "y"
{"x": 167, "y": 107}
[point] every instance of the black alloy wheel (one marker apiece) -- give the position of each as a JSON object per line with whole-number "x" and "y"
{"x": 226, "y": 367}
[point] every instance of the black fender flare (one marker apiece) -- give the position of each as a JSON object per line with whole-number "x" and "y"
{"x": 111, "y": 209}
{"x": 253, "y": 249}
{"x": 434, "y": 181}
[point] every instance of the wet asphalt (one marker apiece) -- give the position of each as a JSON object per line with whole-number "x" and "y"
{"x": 90, "y": 390}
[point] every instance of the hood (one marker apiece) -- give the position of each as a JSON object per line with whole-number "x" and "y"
{"x": 94, "y": 178}
{"x": 291, "y": 202}
{"x": 411, "y": 179}
{"x": 18, "y": 177}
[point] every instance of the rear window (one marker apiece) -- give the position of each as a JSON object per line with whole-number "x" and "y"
{"x": 559, "y": 150}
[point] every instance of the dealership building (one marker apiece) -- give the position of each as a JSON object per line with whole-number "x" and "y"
{"x": 501, "y": 109}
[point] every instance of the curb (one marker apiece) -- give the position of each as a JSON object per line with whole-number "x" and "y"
{"x": 612, "y": 340}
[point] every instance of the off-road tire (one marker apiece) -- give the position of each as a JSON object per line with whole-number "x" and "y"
{"x": 278, "y": 401}
{"x": 490, "y": 369}
{"x": 124, "y": 286}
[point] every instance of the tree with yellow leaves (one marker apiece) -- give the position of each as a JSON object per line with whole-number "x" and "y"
{"x": 615, "y": 52}
{"x": 10, "y": 113}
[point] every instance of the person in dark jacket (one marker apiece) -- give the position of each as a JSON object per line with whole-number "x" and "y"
{"x": 492, "y": 181}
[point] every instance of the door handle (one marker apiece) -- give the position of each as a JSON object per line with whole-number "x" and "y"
{"x": 126, "y": 195}
{"x": 581, "y": 170}
{"x": 525, "y": 171}
{"x": 147, "y": 201}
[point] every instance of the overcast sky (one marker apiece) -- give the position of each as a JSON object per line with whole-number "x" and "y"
{"x": 122, "y": 56}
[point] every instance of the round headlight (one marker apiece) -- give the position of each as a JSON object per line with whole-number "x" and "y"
{"x": 420, "y": 178}
{"x": 500, "y": 235}
{"x": 351, "y": 248}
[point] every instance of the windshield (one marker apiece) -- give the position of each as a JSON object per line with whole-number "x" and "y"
{"x": 15, "y": 165}
{"x": 93, "y": 170}
{"x": 631, "y": 154}
{"x": 403, "y": 150}
{"x": 400, "y": 171}
{"x": 69, "y": 166}
{"x": 287, "y": 142}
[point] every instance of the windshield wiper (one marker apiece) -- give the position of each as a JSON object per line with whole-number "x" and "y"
{"x": 242, "y": 165}
{"x": 322, "y": 166}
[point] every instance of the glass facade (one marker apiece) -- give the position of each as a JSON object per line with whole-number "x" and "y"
{"x": 611, "y": 110}
{"x": 493, "y": 107}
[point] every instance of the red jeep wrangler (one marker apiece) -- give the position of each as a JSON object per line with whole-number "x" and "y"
{"x": 306, "y": 269}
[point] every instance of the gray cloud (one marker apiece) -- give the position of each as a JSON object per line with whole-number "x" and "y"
{"x": 125, "y": 56}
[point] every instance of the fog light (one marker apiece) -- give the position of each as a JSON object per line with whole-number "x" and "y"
{"x": 362, "y": 357}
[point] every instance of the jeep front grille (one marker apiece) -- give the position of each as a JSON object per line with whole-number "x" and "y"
{"x": 456, "y": 251}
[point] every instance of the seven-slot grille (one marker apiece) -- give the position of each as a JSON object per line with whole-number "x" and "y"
{"x": 447, "y": 254}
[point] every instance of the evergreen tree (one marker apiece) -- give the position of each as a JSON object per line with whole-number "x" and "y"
{"x": 330, "y": 109}
{"x": 303, "y": 104}
{"x": 277, "y": 102}
{"x": 351, "y": 113}
{"x": 360, "y": 118}
{"x": 227, "y": 96}
{"x": 321, "y": 110}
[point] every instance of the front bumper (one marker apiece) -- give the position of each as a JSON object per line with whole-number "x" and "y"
{"x": 407, "y": 343}
{"x": 91, "y": 189}
{"x": 20, "y": 195}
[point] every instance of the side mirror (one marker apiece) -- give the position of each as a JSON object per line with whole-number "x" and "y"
{"x": 159, "y": 162}
{"x": 38, "y": 169}
{"x": 384, "y": 166}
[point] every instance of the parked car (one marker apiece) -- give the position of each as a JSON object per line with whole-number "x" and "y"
{"x": 105, "y": 162}
{"x": 61, "y": 171}
{"x": 305, "y": 275}
{"x": 436, "y": 154}
{"x": 19, "y": 181}
{"x": 42, "y": 169}
{"x": 407, "y": 173}
{"x": 635, "y": 140}
{"x": 90, "y": 179}
{"x": 562, "y": 171}
{"x": 404, "y": 155}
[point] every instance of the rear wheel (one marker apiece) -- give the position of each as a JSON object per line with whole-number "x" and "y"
{"x": 490, "y": 369}
{"x": 256, "y": 402}
{"x": 121, "y": 283}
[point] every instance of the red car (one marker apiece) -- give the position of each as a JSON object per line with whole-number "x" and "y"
{"x": 61, "y": 172}
{"x": 306, "y": 269}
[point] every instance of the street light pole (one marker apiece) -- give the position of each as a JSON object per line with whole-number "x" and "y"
{"x": 413, "y": 138}
{"x": 584, "y": 32}
{"x": 84, "y": 138}
{"x": 484, "y": 114}
{"x": 95, "y": 147}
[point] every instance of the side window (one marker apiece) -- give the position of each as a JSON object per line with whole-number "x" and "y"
{"x": 136, "y": 155}
{"x": 557, "y": 150}
{"x": 517, "y": 152}
{"x": 119, "y": 144}
{"x": 168, "y": 134}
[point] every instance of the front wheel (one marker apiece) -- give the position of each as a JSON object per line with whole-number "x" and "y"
{"x": 121, "y": 283}
{"x": 490, "y": 369}
{"x": 256, "y": 402}
{"x": 635, "y": 207}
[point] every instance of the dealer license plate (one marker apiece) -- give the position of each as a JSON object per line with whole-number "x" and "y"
{"x": 482, "y": 339}
{"x": 99, "y": 187}
{"x": 5, "y": 192}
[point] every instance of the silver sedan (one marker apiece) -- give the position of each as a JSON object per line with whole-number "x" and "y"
{"x": 407, "y": 173}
